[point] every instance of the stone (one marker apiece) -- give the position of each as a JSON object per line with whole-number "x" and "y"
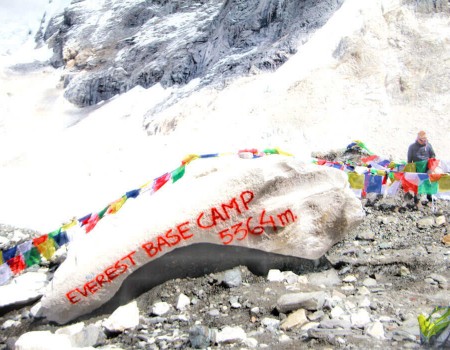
{"x": 183, "y": 302}
{"x": 349, "y": 279}
{"x": 295, "y": 319}
{"x": 275, "y": 275}
{"x": 10, "y": 323}
{"x": 375, "y": 330}
{"x": 366, "y": 236}
{"x": 426, "y": 222}
{"x": 440, "y": 221}
{"x": 232, "y": 278}
{"x": 244, "y": 190}
{"x": 310, "y": 301}
{"x": 326, "y": 278}
{"x": 124, "y": 317}
{"x": 404, "y": 271}
{"x": 230, "y": 335}
{"x": 316, "y": 316}
{"x": 446, "y": 240}
{"x": 270, "y": 322}
{"x": 82, "y": 336}
{"x": 360, "y": 319}
{"x": 369, "y": 282}
{"x": 200, "y": 337}
{"x": 160, "y": 308}
{"x": 23, "y": 288}
{"x": 42, "y": 340}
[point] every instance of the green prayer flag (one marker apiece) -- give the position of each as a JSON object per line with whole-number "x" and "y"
{"x": 32, "y": 257}
{"x": 178, "y": 173}
{"x": 422, "y": 166}
{"x": 428, "y": 187}
{"x": 102, "y": 213}
{"x": 270, "y": 151}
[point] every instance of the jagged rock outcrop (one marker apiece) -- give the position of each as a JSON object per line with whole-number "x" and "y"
{"x": 108, "y": 47}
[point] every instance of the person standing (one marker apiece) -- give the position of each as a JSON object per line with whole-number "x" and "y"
{"x": 421, "y": 150}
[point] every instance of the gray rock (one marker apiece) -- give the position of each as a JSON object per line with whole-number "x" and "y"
{"x": 200, "y": 337}
{"x": 263, "y": 34}
{"x": 232, "y": 278}
{"x": 310, "y": 301}
{"x": 326, "y": 278}
{"x": 425, "y": 222}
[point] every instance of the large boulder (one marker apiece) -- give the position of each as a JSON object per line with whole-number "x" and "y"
{"x": 274, "y": 204}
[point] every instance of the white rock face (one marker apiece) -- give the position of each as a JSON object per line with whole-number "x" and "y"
{"x": 275, "y": 204}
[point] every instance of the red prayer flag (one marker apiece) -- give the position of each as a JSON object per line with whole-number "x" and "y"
{"x": 16, "y": 264}
{"x": 160, "y": 181}
{"x": 409, "y": 186}
{"x": 39, "y": 240}
{"x": 432, "y": 164}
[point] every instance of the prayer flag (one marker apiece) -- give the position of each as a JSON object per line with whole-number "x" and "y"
{"x": 47, "y": 248}
{"x": 9, "y": 253}
{"x": 189, "y": 158}
{"x": 83, "y": 221}
{"x": 211, "y": 155}
{"x": 39, "y": 240}
{"x": 68, "y": 225}
{"x": 1, "y": 258}
{"x": 270, "y": 151}
{"x": 32, "y": 257}
{"x": 421, "y": 167}
{"x": 428, "y": 187}
{"x": 92, "y": 222}
{"x": 60, "y": 238}
{"x": 445, "y": 166}
{"x": 444, "y": 183}
{"x": 5, "y": 273}
{"x": 103, "y": 212}
{"x": 410, "y": 168}
{"x": 433, "y": 163}
{"x": 393, "y": 188}
{"x": 133, "y": 193}
{"x": 115, "y": 206}
{"x": 160, "y": 181}
{"x": 25, "y": 247}
{"x": 435, "y": 177}
{"x": 369, "y": 159}
{"x": 283, "y": 153}
{"x": 178, "y": 173}
{"x": 356, "y": 180}
{"x": 409, "y": 184}
{"x": 373, "y": 183}
{"x": 16, "y": 264}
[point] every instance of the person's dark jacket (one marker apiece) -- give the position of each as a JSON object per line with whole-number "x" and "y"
{"x": 418, "y": 152}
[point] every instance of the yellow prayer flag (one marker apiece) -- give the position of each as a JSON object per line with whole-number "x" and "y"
{"x": 1, "y": 258}
{"x": 410, "y": 168}
{"x": 47, "y": 248}
{"x": 356, "y": 180}
{"x": 444, "y": 183}
{"x": 283, "y": 152}
{"x": 69, "y": 224}
{"x": 115, "y": 206}
{"x": 189, "y": 158}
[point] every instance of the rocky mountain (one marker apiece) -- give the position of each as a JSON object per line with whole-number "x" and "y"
{"x": 108, "y": 47}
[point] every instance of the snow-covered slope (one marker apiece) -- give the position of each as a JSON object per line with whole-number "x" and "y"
{"x": 377, "y": 71}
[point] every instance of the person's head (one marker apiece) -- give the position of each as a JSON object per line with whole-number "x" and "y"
{"x": 422, "y": 137}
